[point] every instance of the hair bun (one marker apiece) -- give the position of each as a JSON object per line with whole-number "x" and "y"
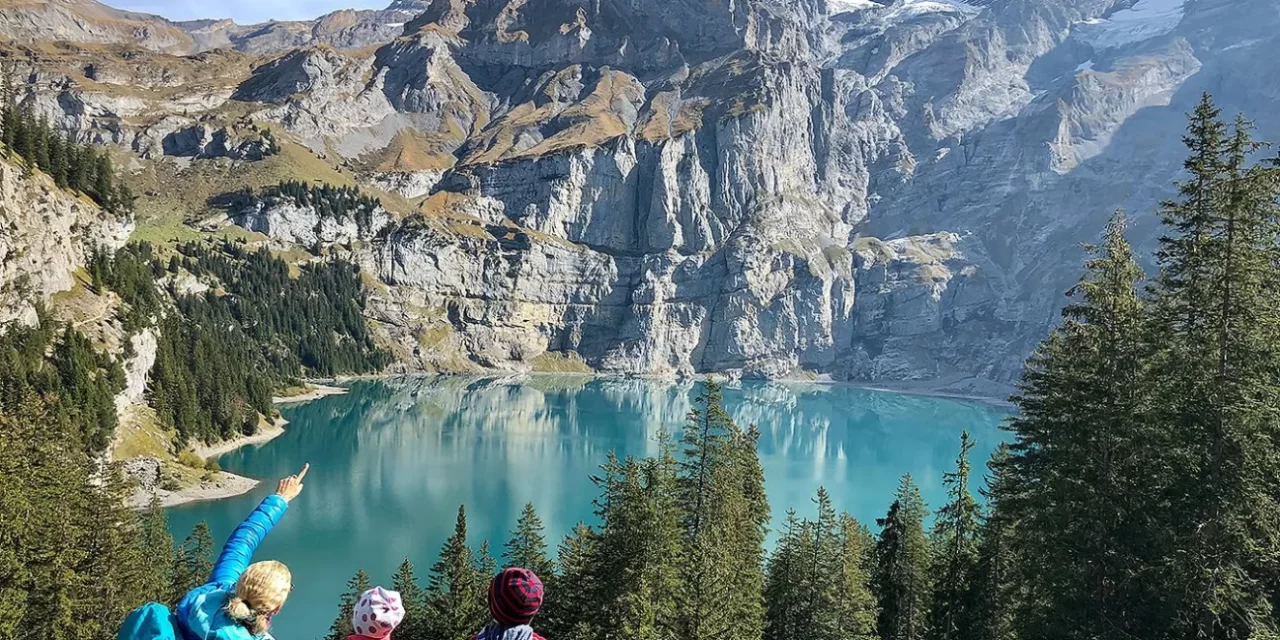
{"x": 239, "y": 610}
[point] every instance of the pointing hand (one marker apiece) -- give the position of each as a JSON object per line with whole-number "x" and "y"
{"x": 290, "y": 487}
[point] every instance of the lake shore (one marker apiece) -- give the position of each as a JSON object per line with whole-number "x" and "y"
{"x": 966, "y": 389}
{"x": 229, "y": 485}
{"x": 223, "y": 485}
{"x": 264, "y": 435}
{"x": 316, "y": 392}
{"x": 268, "y": 433}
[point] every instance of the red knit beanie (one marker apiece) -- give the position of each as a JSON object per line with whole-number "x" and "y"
{"x": 515, "y": 595}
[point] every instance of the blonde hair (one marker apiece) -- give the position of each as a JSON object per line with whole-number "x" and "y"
{"x": 260, "y": 592}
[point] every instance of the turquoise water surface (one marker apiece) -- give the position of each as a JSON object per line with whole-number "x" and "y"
{"x": 391, "y": 462}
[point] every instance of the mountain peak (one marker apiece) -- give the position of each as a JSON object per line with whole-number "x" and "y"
{"x": 409, "y": 6}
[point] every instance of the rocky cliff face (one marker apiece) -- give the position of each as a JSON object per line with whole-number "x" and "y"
{"x": 291, "y": 222}
{"x": 45, "y": 236}
{"x": 870, "y": 189}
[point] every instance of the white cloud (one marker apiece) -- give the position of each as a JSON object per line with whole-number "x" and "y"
{"x": 245, "y": 11}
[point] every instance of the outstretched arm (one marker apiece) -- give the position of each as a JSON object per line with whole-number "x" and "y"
{"x": 238, "y": 551}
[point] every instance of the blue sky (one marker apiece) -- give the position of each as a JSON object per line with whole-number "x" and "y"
{"x": 244, "y": 11}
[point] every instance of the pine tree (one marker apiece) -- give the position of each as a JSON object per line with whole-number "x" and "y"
{"x": 104, "y": 187}
{"x": 702, "y": 485}
{"x": 817, "y": 584}
{"x": 725, "y": 516}
{"x": 956, "y": 536}
{"x": 9, "y": 124}
{"x": 1083, "y": 459}
{"x": 749, "y": 528}
{"x": 157, "y": 548}
{"x": 415, "y": 625}
{"x": 637, "y": 559}
{"x": 822, "y": 559}
{"x": 58, "y": 159}
{"x": 113, "y": 572}
{"x": 40, "y": 152}
{"x": 486, "y": 567}
{"x": 44, "y": 474}
{"x": 785, "y": 584}
{"x": 994, "y": 596}
{"x": 122, "y": 202}
{"x": 193, "y": 562}
{"x": 24, "y": 135}
{"x": 902, "y": 564}
{"x": 341, "y": 627}
{"x": 568, "y": 606}
{"x": 527, "y": 547}
{"x": 856, "y": 609}
{"x": 456, "y": 604}
{"x": 1217, "y": 320}
{"x": 84, "y": 162}
{"x": 1189, "y": 222}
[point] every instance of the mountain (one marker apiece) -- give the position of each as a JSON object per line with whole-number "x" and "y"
{"x": 88, "y": 22}
{"x": 91, "y": 22}
{"x": 891, "y": 191}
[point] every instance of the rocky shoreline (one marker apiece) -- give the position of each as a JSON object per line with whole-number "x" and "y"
{"x": 224, "y": 485}
{"x": 317, "y": 391}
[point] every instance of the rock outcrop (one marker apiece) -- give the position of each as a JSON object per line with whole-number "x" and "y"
{"x": 874, "y": 190}
{"x": 287, "y": 221}
{"x": 46, "y": 235}
{"x": 136, "y": 369}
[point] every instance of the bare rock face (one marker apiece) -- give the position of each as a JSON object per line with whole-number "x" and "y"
{"x": 145, "y": 472}
{"x": 89, "y": 22}
{"x": 408, "y": 184}
{"x": 869, "y": 189}
{"x": 343, "y": 29}
{"x": 288, "y": 221}
{"x": 137, "y": 368}
{"x": 45, "y": 236}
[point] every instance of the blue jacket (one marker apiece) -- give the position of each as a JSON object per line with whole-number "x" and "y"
{"x": 200, "y": 614}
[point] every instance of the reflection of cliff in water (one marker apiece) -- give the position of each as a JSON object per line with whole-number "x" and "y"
{"x": 442, "y": 436}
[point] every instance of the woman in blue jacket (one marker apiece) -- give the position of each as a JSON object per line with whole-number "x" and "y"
{"x": 238, "y": 601}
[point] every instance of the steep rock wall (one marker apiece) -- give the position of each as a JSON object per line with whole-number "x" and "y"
{"x": 46, "y": 235}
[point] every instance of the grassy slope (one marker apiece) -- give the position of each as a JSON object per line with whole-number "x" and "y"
{"x": 171, "y": 195}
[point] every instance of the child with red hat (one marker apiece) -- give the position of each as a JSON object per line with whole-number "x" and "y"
{"x": 515, "y": 596}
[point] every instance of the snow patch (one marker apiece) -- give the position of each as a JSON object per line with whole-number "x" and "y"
{"x": 1145, "y": 20}
{"x": 1242, "y": 45}
{"x": 1087, "y": 65}
{"x": 394, "y": 25}
{"x": 849, "y": 6}
{"x": 913, "y": 8}
{"x": 901, "y": 9}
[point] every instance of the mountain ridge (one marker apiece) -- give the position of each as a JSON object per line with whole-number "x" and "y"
{"x": 871, "y": 191}
{"x": 92, "y": 22}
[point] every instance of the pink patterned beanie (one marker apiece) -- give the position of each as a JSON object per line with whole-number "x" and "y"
{"x": 377, "y": 613}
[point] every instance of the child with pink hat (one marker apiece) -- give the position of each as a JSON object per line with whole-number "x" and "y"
{"x": 377, "y": 613}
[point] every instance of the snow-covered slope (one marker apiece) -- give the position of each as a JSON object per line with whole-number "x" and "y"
{"x": 1145, "y": 20}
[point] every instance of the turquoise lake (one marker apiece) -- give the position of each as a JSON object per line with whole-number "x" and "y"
{"x": 391, "y": 461}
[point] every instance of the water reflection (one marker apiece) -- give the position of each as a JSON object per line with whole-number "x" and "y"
{"x": 393, "y": 460}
